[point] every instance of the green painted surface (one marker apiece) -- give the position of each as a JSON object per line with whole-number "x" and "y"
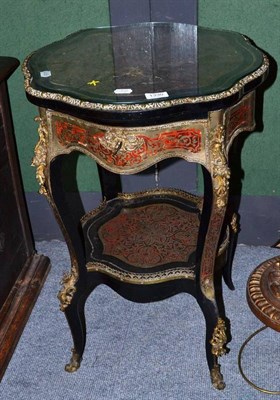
{"x": 259, "y": 20}
{"x": 26, "y": 25}
{"x": 30, "y": 24}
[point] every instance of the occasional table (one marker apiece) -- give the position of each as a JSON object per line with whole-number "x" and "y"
{"x": 129, "y": 97}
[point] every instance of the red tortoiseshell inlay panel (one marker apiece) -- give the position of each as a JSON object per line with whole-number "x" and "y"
{"x": 182, "y": 139}
{"x": 151, "y": 235}
{"x": 240, "y": 117}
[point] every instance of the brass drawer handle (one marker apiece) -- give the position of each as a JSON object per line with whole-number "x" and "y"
{"x": 119, "y": 140}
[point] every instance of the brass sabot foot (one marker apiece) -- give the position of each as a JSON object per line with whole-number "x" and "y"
{"x": 217, "y": 378}
{"x": 74, "y": 363}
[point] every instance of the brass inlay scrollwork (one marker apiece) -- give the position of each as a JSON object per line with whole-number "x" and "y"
{"x": 40, "y": 158}
{"x": 234, "y": 223}
{"x": 220, "y": 169}
{"x": 129, "y": 150}
{"x": 219, "y": 339}
{"x": 68, "y": 290}
{"x": 142, "y": 278}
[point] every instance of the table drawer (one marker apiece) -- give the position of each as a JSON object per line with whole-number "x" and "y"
{"x": 129, "y": 150}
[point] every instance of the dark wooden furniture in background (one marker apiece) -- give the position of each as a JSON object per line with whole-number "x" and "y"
{"x": 263, "y": 292}
{"x": 263, "y": 296}
{"x": 22, "y": 270}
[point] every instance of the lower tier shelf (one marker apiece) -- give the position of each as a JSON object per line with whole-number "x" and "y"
{"x": 145, "y": 238}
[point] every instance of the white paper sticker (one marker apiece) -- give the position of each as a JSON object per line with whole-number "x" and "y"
{"x": 123, "y": 91}
{"x": 158, "y": 95}
{"x": 45, "y": 74}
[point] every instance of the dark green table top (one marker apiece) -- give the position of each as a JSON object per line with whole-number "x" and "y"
{"x": 143, "y": 63}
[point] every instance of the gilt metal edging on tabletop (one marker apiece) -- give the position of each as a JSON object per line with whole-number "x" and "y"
{"x": 140, "y": 107}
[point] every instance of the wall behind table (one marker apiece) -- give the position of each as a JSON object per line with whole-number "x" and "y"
{"x": 260, "y": 204}
{"x": 24, "y": 27}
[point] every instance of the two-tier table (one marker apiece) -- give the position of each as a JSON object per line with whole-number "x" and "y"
{"x": 129, "y": 97}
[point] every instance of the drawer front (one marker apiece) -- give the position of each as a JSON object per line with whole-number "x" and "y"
{"x": 129, "y": 150}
